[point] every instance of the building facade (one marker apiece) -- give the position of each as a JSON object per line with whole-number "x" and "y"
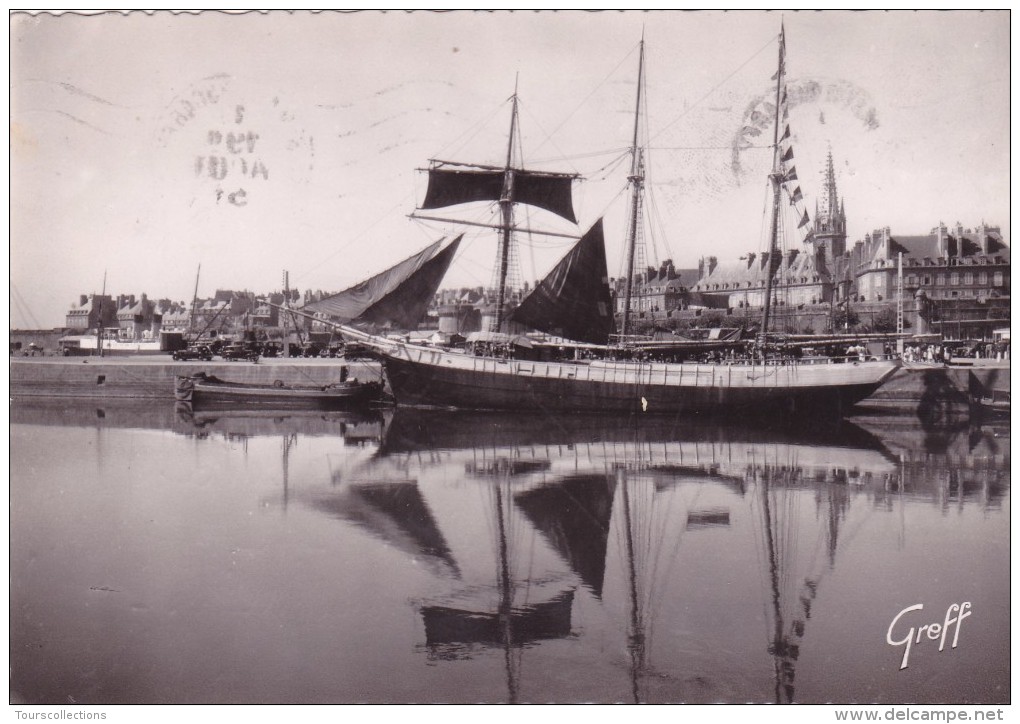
{"x": 655, "y": 290}
{"x": 91, "y": 312}
{"x": 962, "y": 273}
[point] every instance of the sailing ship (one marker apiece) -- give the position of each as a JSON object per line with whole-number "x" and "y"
{"x": 574, "y": 302}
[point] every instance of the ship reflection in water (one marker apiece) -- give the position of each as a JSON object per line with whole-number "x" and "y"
{"x": 426, "y": 556}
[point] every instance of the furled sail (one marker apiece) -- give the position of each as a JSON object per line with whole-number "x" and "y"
{"x": 517, "y": 625}
{"x": 397, "y": 297}
{"x": 549, "y": 191}
{"x": 574, "y": 300}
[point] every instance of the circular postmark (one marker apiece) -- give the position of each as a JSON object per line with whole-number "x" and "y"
{"x": 836, "y": 96}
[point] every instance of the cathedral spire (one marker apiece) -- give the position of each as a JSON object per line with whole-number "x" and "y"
{"x": 830, "y": 217}
{"x": 831, "y": 196}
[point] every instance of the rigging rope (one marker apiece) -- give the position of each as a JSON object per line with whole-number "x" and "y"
{"x": 474, "y": 129}
{"x": 591, "y": 93}
{"x": 716, "y": 87}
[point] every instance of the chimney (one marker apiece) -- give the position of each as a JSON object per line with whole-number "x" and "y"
{"x": 886, "y": 243}
{"x": 712, "y": 263}
{"x": 83, "y": 300}
{"x": 131, "y": 300}
{"x": 942, "y": 245}
{"x": 982, "y": 237}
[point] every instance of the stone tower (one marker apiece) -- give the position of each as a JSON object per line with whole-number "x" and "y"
{"x": 829, "y": 232}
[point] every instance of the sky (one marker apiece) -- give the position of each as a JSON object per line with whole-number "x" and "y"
{"x": 146, "y": 145}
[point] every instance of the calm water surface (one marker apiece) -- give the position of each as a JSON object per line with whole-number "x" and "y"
{"x": 160, "y": 557}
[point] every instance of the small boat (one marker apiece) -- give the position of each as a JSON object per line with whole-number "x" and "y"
{"x": 988, "y": 399}
{"x": 209, "y": 392}
{"x": 995, "y": 405}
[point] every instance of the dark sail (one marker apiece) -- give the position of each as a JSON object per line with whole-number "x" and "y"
{"x": 552, "y": 192}
{"x": 398, "y": 296}
{"x": 395, "y": 512}
{"x": 573, "y": 514}
{"x": 574, "y": 300}
{"x": 405, "y": 306}
{"x": 525, "y": 624}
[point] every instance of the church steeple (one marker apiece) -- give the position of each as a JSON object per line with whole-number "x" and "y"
{"x": 830, "y": 216}
{"x": 830, "y": 219}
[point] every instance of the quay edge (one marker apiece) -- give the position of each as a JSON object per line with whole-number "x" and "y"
{"x": 152, "y": 378}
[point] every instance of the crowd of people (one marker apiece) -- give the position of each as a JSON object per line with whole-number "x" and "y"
{"x": 743, "y": 353}
{"x": 943, "y": 354}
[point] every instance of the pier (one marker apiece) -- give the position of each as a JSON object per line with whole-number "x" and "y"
{"x": 153, "y": 377}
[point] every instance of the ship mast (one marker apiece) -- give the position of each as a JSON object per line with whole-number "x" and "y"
{"x": 636, "y": 179}
{"x": 776, "y": 177}
{"x": 452, "y": 183}
{"x": 194, "y": 305}
{"x": 99, "y": 327}
{"x": 506, "y": 206}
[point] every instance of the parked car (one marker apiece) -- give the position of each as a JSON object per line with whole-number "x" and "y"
{"x": 356, "y": 350}
{"x": 201, "y": 352}
{"x": 272, "y": 349}
{"x": 238, "y": 352}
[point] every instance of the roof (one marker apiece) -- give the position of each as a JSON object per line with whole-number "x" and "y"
{"x": 738, "y": 275}
{"x": 927, "y": 246}
{"x": 733, "y": 274}
{"x": 918, "y": 247}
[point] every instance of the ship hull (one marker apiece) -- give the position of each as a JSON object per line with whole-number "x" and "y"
{"x": 424, "y": 377}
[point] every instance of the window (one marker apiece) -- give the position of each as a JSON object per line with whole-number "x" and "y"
{"x": 911, "y": 280}
{"x": 940, "y": 280}
{"x": 982, "y": 278}
{"x": 997, "y": 279}
{"x": 968, "y": 277}
{"x": 954, "y": 279}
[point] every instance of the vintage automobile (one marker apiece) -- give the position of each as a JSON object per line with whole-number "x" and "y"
{"x": 238, "y": 351}
{"x": 200, "y": 352}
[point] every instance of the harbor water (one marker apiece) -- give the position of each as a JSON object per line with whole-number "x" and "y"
{"x": 162, "y": 555}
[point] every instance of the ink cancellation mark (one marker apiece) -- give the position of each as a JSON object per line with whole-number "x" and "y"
{"x": 232, "y": 144}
